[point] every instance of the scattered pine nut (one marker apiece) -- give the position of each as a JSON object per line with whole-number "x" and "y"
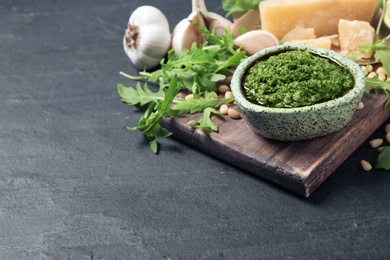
{"x": 382, "y": 76}
{"x": 223, "y": 89}
{"x": 388, "y": 79}
{"x": 360, "y": 106}
{"x": 387, "y": 128}
{"x": 371, "y": 74}
{"x": 214, "y": 95}
{"x": 233, "y": 113}
{"x": 228, "y": 94}
{"x": 375, "y": 143}
{"x": 224, "y": 109}
{"x": 388, "y": 137}
{"x": 381, "y": 70}
{"x": 189, "y": 97}
{"x": 366, "y": 165}
{"x": 380, "y": 149}
{"x": 369, "y": 68}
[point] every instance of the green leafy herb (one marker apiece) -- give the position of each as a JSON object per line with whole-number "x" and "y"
{"x": 205, "y": 122}
{"x": 381, "y": 53}
{"x": 199, "y": 104}
{"x": 139, "y": 96}
{"x": 149, "y": 123}
{"x": 379, "y": 85}
{"x": 383, "y": 160}
{"x": 196, "y": 69}
{"x": 238, "y": 6}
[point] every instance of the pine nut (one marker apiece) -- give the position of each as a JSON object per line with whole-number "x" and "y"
{"x": 228, "y": 94}
{"x": 382, "y": 76}
{"x": 371, "y": 74}
{"x": 381, "y": 70}
{"x": 388, "y": 137}
{"x": 360, "y": 106}
{"x": 375, "y": 143}
{"x": 380, "y": 149}
{"x": 189, "y": 97}
{"x": 214, "y": 95}
{"x": 370, "y": 68}
{"x": 224, "y": 109}
{"x": 233, "y": 113}
{"x": 223, "y": 89}
{"x": 387, "y": 128}
{"x": 366, "y": 165}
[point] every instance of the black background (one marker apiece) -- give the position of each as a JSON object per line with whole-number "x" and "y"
{"x": 75, "y": 185}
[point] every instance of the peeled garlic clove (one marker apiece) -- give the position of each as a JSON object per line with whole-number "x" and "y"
{"x": 249, "y": 21}
{"x": 254, "y": 41}
{"x": 147, "y": 38}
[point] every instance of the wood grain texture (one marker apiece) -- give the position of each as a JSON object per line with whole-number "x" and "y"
{"x": 299, "y": 166}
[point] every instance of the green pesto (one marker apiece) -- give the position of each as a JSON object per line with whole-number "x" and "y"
{"x": 296, "y": 79}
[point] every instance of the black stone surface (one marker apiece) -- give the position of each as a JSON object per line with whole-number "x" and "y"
{"x": 75, "y": 185}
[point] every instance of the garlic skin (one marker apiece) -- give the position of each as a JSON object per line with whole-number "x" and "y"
{"x": 147, "y": 38}
{"x": 185, "y": 34}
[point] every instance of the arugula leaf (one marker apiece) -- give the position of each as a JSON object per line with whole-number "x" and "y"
{"x": 383, "y": 55}
{"x": 149, "y": 123}
{"x": 196, "y": 69}
{"x": 199, "y": 104}
{"x": 139, "y": 96}
{"x": 379, "y": 85}
{"x": 205, "y": 122}
{"x": 383, "y": 159}
{"x": 237, "y": 6}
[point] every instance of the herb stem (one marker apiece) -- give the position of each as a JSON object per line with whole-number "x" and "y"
{"x": 378, "y": 28}
{"x": 143, "y": 75}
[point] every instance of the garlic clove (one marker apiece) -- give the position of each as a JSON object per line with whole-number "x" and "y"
{"x": 249, "y": 21}
{"x": 213, "y": 21}
{"x": 254, "y": 41}
{"x": 147, "y": 38}
{"x": 185, "y": 34}
{"x": 218, "y": 23}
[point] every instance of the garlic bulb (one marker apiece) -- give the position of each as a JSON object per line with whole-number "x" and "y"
{"x": 147, "y": 38}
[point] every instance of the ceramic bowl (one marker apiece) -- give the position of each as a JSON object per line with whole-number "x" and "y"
{"x": 302, "y": 123}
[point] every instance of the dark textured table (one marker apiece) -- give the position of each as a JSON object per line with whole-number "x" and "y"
{"x": 75, "y": 185}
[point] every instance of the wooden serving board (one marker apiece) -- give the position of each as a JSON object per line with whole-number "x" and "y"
{"x": 299, "y": 166}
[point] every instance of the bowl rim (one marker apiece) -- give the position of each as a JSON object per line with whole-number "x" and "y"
{"x": 243, "y": 67}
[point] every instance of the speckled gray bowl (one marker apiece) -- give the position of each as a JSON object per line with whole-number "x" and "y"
{"x": 302, "y": 123}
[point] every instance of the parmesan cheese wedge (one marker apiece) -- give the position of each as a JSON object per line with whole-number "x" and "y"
{"x": 322, "y": 42}
{"x": 281, "y": 16}
{"x": 299, "y": 33}
{"x": 352, "y": 34}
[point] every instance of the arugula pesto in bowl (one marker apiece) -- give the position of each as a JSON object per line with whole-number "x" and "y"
{"x": 294, "y": 79}
{"x": 285, "y": 101}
